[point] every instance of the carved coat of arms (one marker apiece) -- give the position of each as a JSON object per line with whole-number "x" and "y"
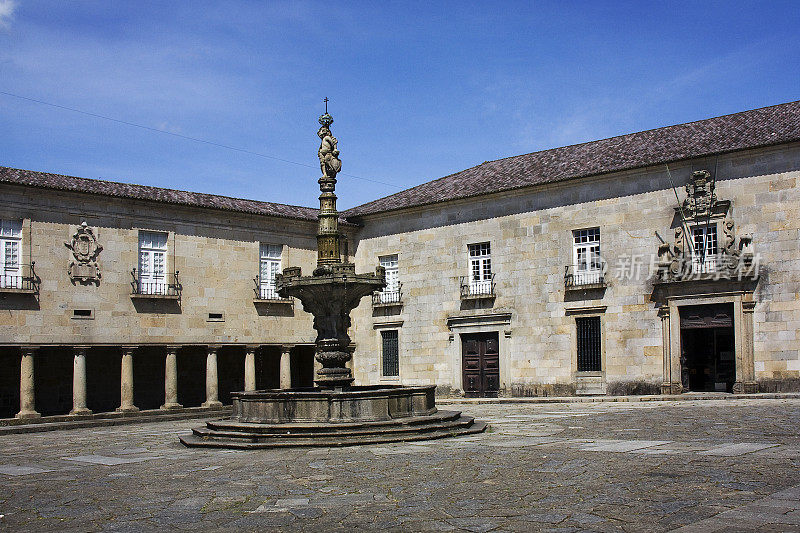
{"x": 700, "y": 195}
{"x": 85, "y": 250}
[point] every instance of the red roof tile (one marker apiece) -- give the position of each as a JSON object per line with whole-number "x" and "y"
{"x": 749, "y": 129}
{"x": 157, "y": 194}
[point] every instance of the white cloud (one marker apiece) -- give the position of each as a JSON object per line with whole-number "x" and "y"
{"x": 7, "y": 8}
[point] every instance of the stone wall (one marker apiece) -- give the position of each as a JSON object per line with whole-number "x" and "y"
{"x": 530, "y": 232}
{"x": 215, "y": 251}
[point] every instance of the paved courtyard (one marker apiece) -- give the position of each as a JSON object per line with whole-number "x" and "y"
{"x": 651, "y": 466}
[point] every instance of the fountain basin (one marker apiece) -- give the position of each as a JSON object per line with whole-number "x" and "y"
{"x": 323, "y": 417}
{"x": 365, "y": 404}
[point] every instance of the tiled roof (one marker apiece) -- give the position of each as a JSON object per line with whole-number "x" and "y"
{"x": 157, "y": 194}
{"x": 749, "y": 129}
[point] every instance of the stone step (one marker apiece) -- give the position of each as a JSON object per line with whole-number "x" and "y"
{"x": 232, "y": 424}
{"x": 207, "y": 432}
{"x": 259, "y": 442}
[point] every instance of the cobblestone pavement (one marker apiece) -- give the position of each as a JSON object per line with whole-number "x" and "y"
{"x": 656, "y": 466}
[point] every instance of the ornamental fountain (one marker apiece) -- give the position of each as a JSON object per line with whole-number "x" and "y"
{"x": 335, "y": 412}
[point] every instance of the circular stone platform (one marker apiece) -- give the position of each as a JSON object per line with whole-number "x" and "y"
{"x": 323, "y": 417}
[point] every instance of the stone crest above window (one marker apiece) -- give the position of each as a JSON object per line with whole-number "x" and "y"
{"x": 697, "y": 251}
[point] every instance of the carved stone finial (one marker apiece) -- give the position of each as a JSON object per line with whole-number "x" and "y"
{"x": 328, "y": 237}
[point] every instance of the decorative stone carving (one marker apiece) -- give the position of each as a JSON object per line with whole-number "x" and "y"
{"x": 328, "y": 236}
{"x": 329, "y": 161}
{"x": 701, "y": 207}
{"x": 700, "y": 195}
{"x": 85, "y": 250}
{"x": 334, "y": 289}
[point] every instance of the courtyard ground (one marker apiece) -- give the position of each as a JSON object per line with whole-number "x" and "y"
{"x": 703, "y": 466}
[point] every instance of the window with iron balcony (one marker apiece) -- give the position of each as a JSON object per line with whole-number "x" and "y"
{"x": 269, "y": 265}
{"x": 391, "y": 294}
{"x": 480, "y": 282}
{"x": 14, "y": 276}
{"x": 152, "y": 278}
{"x": 587, "y": 268}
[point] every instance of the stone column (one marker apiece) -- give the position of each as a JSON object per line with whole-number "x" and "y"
{"x": 286, "y": 367}
{"x": 745, "y": 363}
{"x": 250, "y": 368}
{"x": 171, "y": 379}
{"x": 212, "y": 379}
{"x": 27, "y": 399}
{"x": 79, "y": 382}
{"x": 671, "y": 382}
{"x": 126, "y": 382}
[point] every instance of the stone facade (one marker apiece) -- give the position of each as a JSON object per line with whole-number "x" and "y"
{"x": 106, "y": 334}
{"x": 215, "y": 253}
{"x": 530, "y": 232}
{"x": 80, "y": 335}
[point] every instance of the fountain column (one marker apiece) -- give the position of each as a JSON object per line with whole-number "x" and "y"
{"x": 334, "y": 288}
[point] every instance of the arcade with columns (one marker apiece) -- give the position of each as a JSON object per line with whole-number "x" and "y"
{"x": 81, "y": 380}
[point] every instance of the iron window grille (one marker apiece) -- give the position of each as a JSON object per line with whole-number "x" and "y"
{"x": 483, "y": 289}
{"x": 391, "y": 356}
{"x": 22, "y": 279}
{"x": 168, "y": 285}
{"x": 589, "y": 344}
{"x": 265, "y": 290}
{"x": 580, "y": 278}
{"x": 388, "y": 297}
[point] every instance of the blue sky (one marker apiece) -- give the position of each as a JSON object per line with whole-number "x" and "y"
{"x": 418, "y": 90}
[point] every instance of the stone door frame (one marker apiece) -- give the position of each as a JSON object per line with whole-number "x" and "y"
{"x": 484, "y": 323}
{"x": 743, "y": 307}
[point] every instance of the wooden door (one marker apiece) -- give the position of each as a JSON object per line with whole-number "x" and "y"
{"x": 481, "y": 364}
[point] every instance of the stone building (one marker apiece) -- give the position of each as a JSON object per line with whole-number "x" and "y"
{"x": 665, "y": 260}
{"x": 124, "y": 297}
{"x": 558, "y": 272}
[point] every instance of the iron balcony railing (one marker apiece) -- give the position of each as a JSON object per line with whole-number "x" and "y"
{"x": 169, "y": 286}
{"x": 23, "y": 279}
{"x": 581, "y": 277}
{"x": 266, "y": 291}
{"x": 709, "y": 264}
{"x": 388, "y": 297}
{"x": 477, "y": 289}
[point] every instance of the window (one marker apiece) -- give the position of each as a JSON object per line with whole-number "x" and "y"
{"x": 391, "y": 293}
{"x": 270, "y": 264}
{"x": 589, "y": 359}
{"x": 704, "y": 246}
{"x": 586, "y": 263}
{"x": 152, "y": 262}
{"x": 480, "y": 265}
{"x": 391, "y": 358}
{"x": 10, "y": 268}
